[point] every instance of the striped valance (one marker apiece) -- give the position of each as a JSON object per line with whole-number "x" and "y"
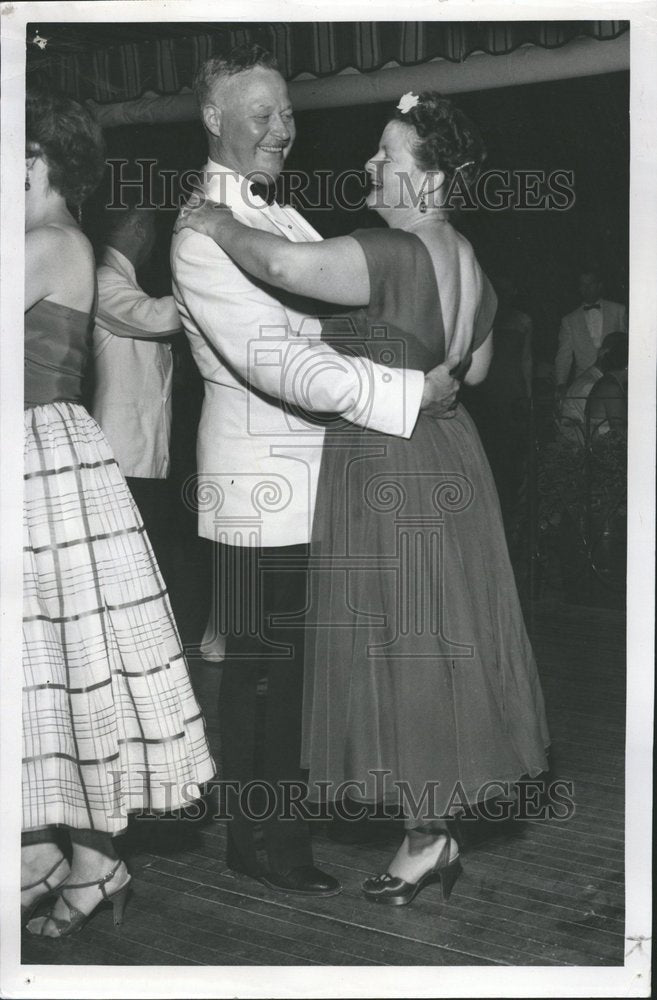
{"x": 121, "y": 62}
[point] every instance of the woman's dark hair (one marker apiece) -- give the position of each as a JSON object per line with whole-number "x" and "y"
{"x": 446, "y": 139}
{"x": 615, "y": 359}
{"x": 71, "y": 140}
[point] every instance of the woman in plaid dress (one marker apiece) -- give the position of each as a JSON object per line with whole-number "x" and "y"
{"x": 110, "y": 721}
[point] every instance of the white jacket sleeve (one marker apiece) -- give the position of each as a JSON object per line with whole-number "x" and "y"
{"x": 129, "y": 312}
{"x": 249, "y": 329}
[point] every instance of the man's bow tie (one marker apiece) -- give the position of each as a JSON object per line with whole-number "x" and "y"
{"x": 265, "y": 191}
{"x": 595, "y": 305}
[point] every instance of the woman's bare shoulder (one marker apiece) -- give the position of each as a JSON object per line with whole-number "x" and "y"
{"x": 68, "y": 239}
{"x": 452, "y": 247}
{"x": 465, "y": 249}
{"x": 60, "y": 246}
{"x": 606, "y": 387}
{"x": 60, "y": 263}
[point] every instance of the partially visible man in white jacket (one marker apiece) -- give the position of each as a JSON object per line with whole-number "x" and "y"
{"x": 582, "y": 331}
{"x": 133, "y": 369}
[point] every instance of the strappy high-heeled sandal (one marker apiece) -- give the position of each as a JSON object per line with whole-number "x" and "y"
{"x": 393, "y": 891}
{"x": 28, "y": 910}
{"x": 76, "y": 918}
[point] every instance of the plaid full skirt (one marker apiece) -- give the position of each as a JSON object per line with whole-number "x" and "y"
{"x": 110, "y": 721}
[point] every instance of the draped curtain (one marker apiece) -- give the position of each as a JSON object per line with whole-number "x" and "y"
{"x": 121, "y": 62}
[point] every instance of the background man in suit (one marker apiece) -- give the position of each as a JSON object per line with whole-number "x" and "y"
{"x": 260, "y": 355}
{"x": 583, "y": 330}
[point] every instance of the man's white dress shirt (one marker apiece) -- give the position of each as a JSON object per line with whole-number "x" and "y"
{"x": 258, "y": 463}
{"x": 133, "y": 372}
{"x": 593, "y": 320}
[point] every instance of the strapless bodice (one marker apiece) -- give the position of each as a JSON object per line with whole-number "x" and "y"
{"x": 56, "y": 352}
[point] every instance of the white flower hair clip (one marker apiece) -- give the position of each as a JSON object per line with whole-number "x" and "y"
{"x": 407, "y": 102}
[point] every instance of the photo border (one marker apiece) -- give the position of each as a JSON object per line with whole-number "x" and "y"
{"x": 632, "y": 979}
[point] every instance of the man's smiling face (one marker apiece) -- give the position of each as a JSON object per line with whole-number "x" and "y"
{"x": 256, "y": 124}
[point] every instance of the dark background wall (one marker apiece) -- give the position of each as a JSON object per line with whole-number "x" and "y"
{"x": 579, "y": 125}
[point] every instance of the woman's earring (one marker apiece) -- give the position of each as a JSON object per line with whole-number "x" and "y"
{"x": 423, "y": 205}
{"x": 27, "y": 183}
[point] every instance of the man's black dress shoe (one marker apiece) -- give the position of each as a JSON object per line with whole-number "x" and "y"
{"x": 306, "y": 880}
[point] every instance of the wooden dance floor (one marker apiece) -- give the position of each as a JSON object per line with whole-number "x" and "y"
{"x": 537, "y": 892}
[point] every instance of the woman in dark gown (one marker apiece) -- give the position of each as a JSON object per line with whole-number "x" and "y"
{"x": 110, "y": 721}
{"x": 421, "y": 678}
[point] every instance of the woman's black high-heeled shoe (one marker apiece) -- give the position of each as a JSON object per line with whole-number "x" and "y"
{"x": 76, "y": 918}
{"x": 393, "y": 891}
{"x": 28, "y": 911}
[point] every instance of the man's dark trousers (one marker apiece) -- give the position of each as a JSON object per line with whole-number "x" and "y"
{"x": 260, "y": 702}
{"x": 153, "y": 499}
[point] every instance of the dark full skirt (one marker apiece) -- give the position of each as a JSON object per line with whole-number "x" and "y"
{"x": 419, "y": 668}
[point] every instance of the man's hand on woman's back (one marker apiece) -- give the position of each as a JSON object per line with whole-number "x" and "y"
{"x": 440, "y": 389}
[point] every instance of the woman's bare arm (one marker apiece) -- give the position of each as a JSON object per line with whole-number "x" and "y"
{"x": 481, "y": 359}
{"x": 332, "y": 270}
{"x": 41, "y": 253}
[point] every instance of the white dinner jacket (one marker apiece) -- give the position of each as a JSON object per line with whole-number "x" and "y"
{"x": 575, "y": 340}
{"x": 132, "y": 370}
{"x": 258, "y": 462}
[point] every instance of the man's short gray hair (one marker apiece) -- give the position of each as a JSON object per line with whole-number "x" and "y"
{"x": 238, "y": 60}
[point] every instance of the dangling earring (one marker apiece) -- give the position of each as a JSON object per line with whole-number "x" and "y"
{"x": 79, "y": 215}
{"x": 423, "y": 205}
{"x": 27, "y": 183}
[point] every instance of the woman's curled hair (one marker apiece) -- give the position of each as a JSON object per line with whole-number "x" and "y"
{"x": 446, "y": 138}
{"x": 71, "y": 140}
